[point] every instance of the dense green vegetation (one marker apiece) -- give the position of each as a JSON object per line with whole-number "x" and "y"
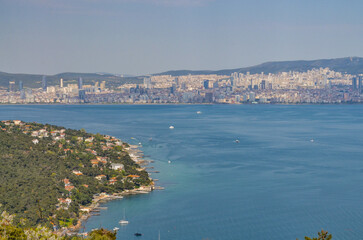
{"x": 9, "y": 231}
{"x": 38, "y": 178}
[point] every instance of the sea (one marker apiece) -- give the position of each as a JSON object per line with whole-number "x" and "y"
{"x": 295, "y": 169}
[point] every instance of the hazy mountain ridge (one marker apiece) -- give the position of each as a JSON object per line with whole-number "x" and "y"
{"x": 352, "y": 65}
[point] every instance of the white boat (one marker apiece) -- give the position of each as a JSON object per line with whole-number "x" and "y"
{"x": 116, "y": 229}
{"x": 199, "y": 112}
{"x": 169, "y": 161}
{"x": 123, "y": 221}
{"x": 171, "y": 127}
{"x": 312, "y": 140}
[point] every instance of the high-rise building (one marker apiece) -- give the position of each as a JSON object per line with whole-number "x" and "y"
{"x": 206, "y": 84}
{"x": 80, "y": 83}
{"x": 147, "y": 82}
{"x": 61, "y": 83}
{"x": 20, "y": 85}
{"x": 44, "y": 83}
{"x": 232, "y": 81}
{"x": 103, "y": 85}
{"x": 252, "y": 97}
{"x": 176, "y": 81}
{"x": 215, "y": 84}
{"x": 22, "y": 94}
{"x": 11, "y": 86}
{"x": 82, "y": 94}
{"x": 263, "y": 84}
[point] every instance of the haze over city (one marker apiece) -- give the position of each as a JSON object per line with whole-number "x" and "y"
{"x": 141, "y": 36}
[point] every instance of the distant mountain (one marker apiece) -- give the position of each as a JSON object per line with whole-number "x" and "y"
{"x": 34, "y": 80}
{"x": 352, "y": 65}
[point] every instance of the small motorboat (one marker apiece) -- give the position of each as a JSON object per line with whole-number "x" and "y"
{"x": 123, "y": 222}
{"x": 171, "y": 127}
{"x": 116, "y": 229}
{"x": 199, "y": 112}
{"x": 169, "y": 161}
{"x": 237, "y": 141}
{"x": 138, "y": 234}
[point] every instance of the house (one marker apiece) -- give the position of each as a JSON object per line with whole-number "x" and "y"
{"x": 69, "y": 188}
{"x": 133, "y": 176}
{"x": 112, "y": 181}
{"x": 66, "y": 201}
{"x": 117, "y": 166}
{"x": 35, "y": 134}
{"x": 102, "y": 159}
{"x": 66, "y": 182}
{"x": 89, "y": 139}
{"x": 78, "y": 173}
{"x": 100, "y": 177}
{"x": 35, "y": 141}
{"x": 17, "y": 122}
{"x": 85, "y": 209}
{"x": 94, "y": 162}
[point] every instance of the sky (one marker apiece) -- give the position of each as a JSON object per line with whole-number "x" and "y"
{"x": 150, "y": 36}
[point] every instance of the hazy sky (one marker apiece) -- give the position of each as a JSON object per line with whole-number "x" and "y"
{"x": 149, "y": 36}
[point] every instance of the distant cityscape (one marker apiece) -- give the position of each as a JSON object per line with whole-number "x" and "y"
{"x": 314, "y": 86}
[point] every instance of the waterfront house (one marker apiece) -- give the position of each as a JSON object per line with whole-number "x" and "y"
{"x": 35, "y": 141}
{"x": 17, "y": 122}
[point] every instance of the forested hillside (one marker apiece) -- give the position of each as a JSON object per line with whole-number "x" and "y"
{"x": 47, "y": 172}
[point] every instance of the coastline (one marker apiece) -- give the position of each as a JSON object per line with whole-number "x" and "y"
{"x": 87, "y": 211}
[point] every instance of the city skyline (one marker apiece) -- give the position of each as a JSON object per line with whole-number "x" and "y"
{"x": 141, "y": 37}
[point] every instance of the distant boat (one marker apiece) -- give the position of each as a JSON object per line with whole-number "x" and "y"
{"x": 169, "y": 161}
{"x": 312, "y": 140}
{"x": 150, "y": 139}
{"x": 116, "y": 229}
{"x": 171, "y": 127}
{"x": 199, "y": 112}
{"x": 123, "y": 221}
{"x": 138, "y": 234}
{"x": 237, "y": 141}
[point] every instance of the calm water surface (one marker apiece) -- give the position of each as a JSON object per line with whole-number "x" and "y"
{"x": 274, "y": 184}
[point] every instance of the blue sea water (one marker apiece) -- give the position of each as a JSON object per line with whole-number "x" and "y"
{"x": 274, "y": 184}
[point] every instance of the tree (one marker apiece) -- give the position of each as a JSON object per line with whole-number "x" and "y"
{"x": 323, "y": 235}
